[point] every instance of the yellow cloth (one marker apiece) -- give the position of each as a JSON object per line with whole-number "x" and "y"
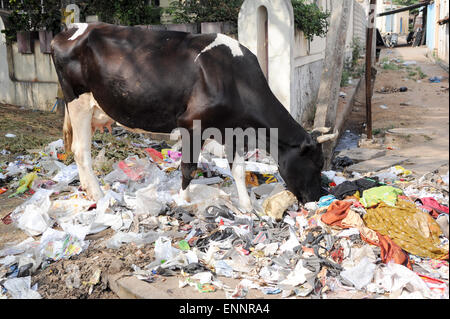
{"x": 413, "y": 230}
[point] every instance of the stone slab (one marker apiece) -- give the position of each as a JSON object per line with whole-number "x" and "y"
{"x": 408, "y": 131}
{"x": 362, "y": 154}
{"x": 130, "y": 287}
{"x": 377, "y": 164}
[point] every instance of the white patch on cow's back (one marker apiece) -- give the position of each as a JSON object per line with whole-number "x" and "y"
{"x": 222, "y": 39}
{"x": 81, "y": 28}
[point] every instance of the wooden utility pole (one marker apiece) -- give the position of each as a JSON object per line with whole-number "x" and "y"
{"x": 369, "y": 46}
{"x": 328, "y": 95}
{"x": 330, "y": 83}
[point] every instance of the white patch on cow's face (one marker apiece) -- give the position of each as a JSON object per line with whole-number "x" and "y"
{"x": 81, "y": 28}
{"x": 222, "y": 39}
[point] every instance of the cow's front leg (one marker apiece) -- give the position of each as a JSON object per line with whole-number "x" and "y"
{"x": 80, "y": 112}
{"x": 238, "y": 172}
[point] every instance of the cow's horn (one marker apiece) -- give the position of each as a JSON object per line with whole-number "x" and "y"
{"x": 175, "y": 135}
{"x": 323, "y": 130}
{"x": 328, "y": 137}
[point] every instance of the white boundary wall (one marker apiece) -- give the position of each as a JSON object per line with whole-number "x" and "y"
{"x": 295, "y": 64}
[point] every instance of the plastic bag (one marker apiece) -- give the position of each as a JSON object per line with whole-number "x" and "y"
{"x": 67, "y": 175}
{"x": 121, "y": 238}
{"x": 223, "y": 269}
{"x": 58, "y": 245}
{"x": 164, "y": 250}
{"x": 32, "y": 216}
{"x": 20, "y": 288}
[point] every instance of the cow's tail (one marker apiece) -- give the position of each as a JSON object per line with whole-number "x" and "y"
{"x": 67, "y": 132}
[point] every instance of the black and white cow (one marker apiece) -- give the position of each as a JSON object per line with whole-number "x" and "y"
{"x": 157, "y": 81}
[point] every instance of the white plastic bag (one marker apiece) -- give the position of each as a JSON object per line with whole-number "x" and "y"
{"x": 20, "y": 288}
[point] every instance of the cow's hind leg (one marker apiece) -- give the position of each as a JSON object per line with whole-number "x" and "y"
{"x": 81, "y": 112}
{"x": 238, "y": 172}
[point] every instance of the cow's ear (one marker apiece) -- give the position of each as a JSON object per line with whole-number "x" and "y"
{"x": 306, "y": 147}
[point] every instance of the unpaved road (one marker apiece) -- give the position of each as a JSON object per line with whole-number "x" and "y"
{"x": 422, "y": 112}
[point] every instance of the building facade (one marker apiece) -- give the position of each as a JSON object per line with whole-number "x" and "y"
{"x": 396, "y": 23}
{"x": 438, "y": 30}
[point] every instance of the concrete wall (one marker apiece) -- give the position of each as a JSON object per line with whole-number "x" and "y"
{"x": 431, "y": 26}
{"x": 438, "y": 35}
{"x": 443, "y": 32}
{"x": 27, "y": 80}
{"x": 280, "y": 42}
{"x": 359, "y": 22}
{"x": 301, "y": 87}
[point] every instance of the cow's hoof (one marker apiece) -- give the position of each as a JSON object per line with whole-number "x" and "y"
{"x": 246, "y": 206}
{"x": 95, "y": 195}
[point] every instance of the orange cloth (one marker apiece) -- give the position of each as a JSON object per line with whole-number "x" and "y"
{"x": 336, "y": 212}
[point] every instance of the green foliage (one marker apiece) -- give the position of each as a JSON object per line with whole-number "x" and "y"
{"x": 310, "y": 19}
{"x": 197, "y": 11}
{"x": 353, "y": 66}
{"x": 405, "y": 2}
{"x": 357, "y": 49}
{"x": 124, "y": 12}
{"x": 29, "y": 15}
{"x": 345, "y": 77}
{"x": 390, "y": 66}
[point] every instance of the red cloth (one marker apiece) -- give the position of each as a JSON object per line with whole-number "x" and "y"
{"x": 390, "y": 251}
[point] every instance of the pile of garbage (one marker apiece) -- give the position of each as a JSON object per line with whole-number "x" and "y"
{"x": 384, "y": 234}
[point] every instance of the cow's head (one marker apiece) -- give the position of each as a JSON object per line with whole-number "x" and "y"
{"x": 301, "y": 166}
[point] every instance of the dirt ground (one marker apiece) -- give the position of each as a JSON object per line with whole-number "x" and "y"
{"x": 424, "y": 105}
{"x": 33, "y": 130}
{"x": 423, "y": 110}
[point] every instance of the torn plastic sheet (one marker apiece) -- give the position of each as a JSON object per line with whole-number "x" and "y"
{"x": 297, "y": 276}
{"x": 67, "y": 175}
{"x": 201, "y": 194}
{"x": 150, "y": 201}
{"x": 223, "y": 269}
{"x": 395, "y": 278}
{"x": 271, "y": 274}
{"x": 25, "y": 245}
{"x": 65, "y": 210}
{"x": 360, "y": 275}
{"x": 103, "y": 217}
{"x": 291, "y": 243}
{"x": 53, "y": 147}
{"x": 20, "y": 288}
{"x": 139, "y": 239}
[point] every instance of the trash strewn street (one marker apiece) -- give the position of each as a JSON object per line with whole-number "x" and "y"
{"x": 376, "y": 235}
